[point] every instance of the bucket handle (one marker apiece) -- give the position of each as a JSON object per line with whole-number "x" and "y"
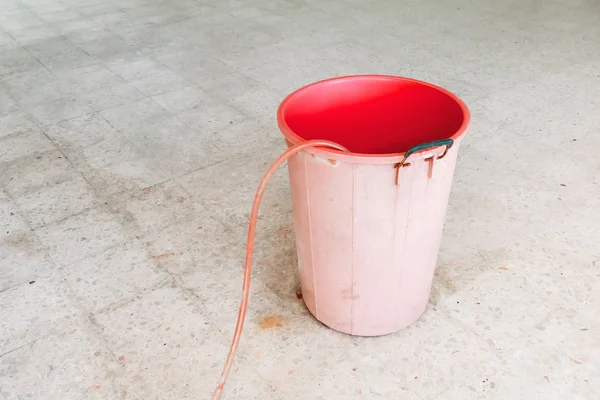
{"x": 423, "y": 146}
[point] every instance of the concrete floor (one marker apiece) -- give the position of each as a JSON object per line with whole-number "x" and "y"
{"x": 133, "y": 134}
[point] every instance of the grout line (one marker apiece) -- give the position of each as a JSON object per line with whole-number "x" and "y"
{"x": 58, "y": 221}
{"x": 58, "y": 270}
{"x": 127, "y": 300}
{"x": 14, "y": 286}
{"x": 42, "y": 126}
{"x": 21, "y": 214}
{"x": 176, "y": 279}
{"x": 25, "y": 345}
{"x": 204, "y": 167}
{"x": 104, "y": 249}
{"x": 143, "y": 152}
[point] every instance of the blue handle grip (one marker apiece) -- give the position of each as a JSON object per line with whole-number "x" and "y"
{"x": 423, "y": 146}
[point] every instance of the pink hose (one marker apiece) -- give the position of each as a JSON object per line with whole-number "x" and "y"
{"x": 250, "y": 248}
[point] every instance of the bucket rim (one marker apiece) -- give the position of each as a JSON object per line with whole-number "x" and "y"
{"x": 293, "y": 138}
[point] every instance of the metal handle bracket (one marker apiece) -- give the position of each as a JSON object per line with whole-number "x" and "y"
{"x": 420, "y": 147}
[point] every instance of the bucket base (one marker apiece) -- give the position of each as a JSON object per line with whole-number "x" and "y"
{"x": 356, "y": 329}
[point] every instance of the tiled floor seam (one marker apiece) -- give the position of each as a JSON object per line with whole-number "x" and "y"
{"x": 125, "y": 301}
{"x": 25, "y": 345}
{"x": 489, "y": 342}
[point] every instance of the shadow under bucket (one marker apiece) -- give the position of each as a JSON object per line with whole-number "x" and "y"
{"x": 368, "y": 223}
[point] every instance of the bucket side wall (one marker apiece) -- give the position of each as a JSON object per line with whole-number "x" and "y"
{"x": 322, "y": 207}
{"x": 367, "y": 248}
{"x": 422, "y": 228}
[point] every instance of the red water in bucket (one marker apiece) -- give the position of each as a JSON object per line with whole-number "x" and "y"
{"x": 370, "y": 162}
{"x": 372, "y": 115}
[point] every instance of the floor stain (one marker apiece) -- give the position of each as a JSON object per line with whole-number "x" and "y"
{"x": 164, "y": 255}
{"x": 284, "y": 231}
{"x": 444, "y": 277}
{"x": 274, "y": 321}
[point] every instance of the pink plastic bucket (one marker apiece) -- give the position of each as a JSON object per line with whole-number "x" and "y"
{"x": 369, "y": 223}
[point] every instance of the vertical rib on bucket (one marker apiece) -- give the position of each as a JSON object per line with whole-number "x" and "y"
{"x": 367, "y": 247}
